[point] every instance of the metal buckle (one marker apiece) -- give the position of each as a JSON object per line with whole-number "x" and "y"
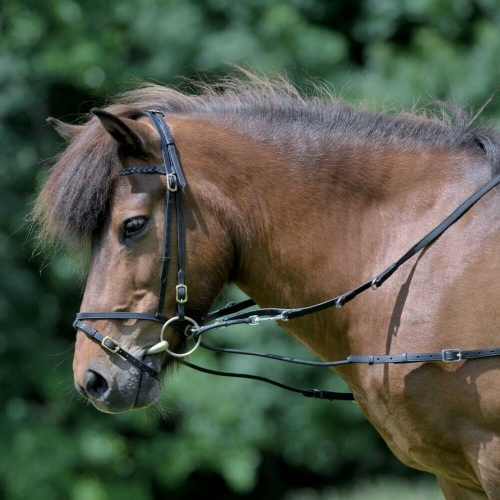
{"x": 451, "y": 355}
{"x": 170, "y": 178}
{"x": 107, "y": 347}
{"x": 177, "y": 297}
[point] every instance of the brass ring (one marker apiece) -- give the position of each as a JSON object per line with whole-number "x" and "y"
{"x": 184, "y": 354}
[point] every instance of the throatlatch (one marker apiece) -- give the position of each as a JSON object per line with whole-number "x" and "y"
{"x": 232, "y": 315}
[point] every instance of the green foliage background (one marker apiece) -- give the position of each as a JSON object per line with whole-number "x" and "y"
{"x": 232, "y": 438}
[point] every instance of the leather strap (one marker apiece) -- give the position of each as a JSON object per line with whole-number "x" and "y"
{"x": 438, "y": 231}
{"x": 178, "y": 325}
{"x": 449, "y": 355}
{"x": 121, "y": 315}
{"x": 376, "y": 282}
{"x": 446, "y": 356}
{"x": 175, "y": 182}
{"x": 230, "y": 308}
{"x": 114, "y": 347}
{"x": 276, "y": 357}
{"x": 167, "y": 145}
{"x": 181, "y": 291}
{"x": 143, "y": 170}
{"x": 308, "y": 393}
{"x": 255, "y": 316}
{"x": 165, "y": 260}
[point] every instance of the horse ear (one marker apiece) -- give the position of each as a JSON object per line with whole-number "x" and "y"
{"x": 65, "y": 130}
{"x": 120, "y": 130}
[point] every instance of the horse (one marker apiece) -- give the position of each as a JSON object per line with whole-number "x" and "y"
{"x": 295, "y": 199}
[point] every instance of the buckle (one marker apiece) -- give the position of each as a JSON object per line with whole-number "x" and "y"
{"x": 181, "y": 289}
{"x": 172, "y": 183}
{"x": 110, "y": 345}
{"x": 451, "y": 355}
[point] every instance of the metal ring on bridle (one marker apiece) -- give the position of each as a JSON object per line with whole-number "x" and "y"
{"x": 175, "y": 354}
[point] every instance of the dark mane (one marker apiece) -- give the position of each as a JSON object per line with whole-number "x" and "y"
{"x": 74, "y": 200}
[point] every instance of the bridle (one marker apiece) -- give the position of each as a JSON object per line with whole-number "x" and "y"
{"x": 175, "y": 182}
{"x": 232, "y": 314}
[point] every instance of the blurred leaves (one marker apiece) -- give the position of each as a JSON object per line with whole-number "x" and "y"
{"x": 236, "y": 437}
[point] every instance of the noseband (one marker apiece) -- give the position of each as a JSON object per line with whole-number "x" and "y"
{"x": 232, "y": 315}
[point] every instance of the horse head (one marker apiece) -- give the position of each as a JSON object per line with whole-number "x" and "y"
{"x": 124, "y": 217}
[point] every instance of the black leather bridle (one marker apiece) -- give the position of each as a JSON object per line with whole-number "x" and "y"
{"x": 232, "y": 315}
{"x": 175, "y": 183}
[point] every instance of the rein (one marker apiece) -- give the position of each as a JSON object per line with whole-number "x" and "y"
{"x": 232, "y": 314}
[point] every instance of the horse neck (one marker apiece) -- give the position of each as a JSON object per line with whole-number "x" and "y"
{"x": 311, "y": 227}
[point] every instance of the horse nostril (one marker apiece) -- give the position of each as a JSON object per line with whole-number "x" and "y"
{"x": 95, "y": 384}
{"x": 79, "y": 388}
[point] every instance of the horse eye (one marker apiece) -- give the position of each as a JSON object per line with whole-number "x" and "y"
{"x": 133, "y": 225}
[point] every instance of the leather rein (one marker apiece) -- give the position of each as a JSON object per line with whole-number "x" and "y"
{"x": 232, "y": 314}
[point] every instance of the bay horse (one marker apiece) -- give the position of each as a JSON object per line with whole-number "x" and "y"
{"x": 296, "y": 200}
